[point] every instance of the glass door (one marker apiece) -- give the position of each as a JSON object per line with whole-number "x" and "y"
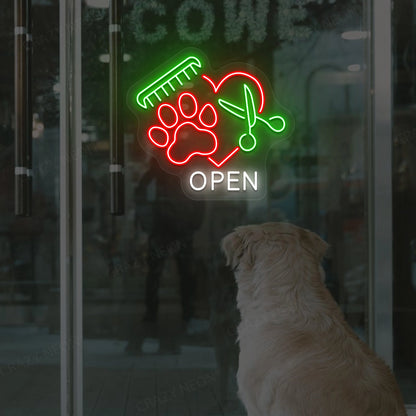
{"x": 159, "y": 305}
{"x": 29, "y": 215}
{"x": 148, "y": 130}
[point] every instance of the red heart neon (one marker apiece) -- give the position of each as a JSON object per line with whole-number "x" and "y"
{"x": 216, "y": 88}
{"x": 228, "y": 157}
{"x": 237, "y": 74}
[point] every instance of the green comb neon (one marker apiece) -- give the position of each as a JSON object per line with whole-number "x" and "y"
{"x": 168, "y": 82}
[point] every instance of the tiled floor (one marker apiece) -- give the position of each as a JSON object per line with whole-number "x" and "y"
{"x": 115, "y": 383}
{"x": 183, "y": 382}
{"x": 35, "y": 391}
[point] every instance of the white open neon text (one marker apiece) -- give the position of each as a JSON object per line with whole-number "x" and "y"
{"x": 232, "y": 180}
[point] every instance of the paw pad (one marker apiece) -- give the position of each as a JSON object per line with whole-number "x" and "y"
{"x": 185, "y": 132}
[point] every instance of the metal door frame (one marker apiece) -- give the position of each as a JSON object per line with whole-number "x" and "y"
{"x": 71, "y": 208}
{"x": 380, "y": 184}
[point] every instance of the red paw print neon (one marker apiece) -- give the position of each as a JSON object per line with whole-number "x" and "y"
{"x": 186, "y": 132}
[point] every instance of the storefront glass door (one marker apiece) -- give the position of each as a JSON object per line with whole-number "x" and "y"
{"x": 29, "y": 245}
{"x": 121, "y": 254}
{"x": 159, "y": 304}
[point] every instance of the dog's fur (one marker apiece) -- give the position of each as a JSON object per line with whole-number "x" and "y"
{"x": 298, "y": 356}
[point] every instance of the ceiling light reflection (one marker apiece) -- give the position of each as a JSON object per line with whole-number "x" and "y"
{"x": 99, "y": 4}
{"x": 105, "y": 58}
{"x": 354, "y": 35}
{"x": 354, "y": 68}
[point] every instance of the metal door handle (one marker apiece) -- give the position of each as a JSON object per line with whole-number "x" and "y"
{"x": 116, "y": 127}
{"x": 23, "y": 108}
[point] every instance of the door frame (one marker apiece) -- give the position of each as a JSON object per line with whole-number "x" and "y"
{"x": 380, "y": 213}
{"x": 70, "y": 158}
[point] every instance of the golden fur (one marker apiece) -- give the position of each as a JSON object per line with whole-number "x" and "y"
{"x": 298, "y": 356}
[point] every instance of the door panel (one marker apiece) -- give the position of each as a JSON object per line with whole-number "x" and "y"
{"x": 159, "y": 310}
{"x": 29, "y": 254}
{"x": 180, "y": 356}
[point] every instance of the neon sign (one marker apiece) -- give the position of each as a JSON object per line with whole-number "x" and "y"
{"x": 213, "y": 134}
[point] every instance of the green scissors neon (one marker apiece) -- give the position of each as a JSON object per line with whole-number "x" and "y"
{"x": 247, "y": 140}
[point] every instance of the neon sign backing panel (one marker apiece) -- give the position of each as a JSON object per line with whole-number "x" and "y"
{"x": 213, "y": 130}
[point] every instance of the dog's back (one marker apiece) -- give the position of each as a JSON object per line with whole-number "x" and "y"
{"x": 289, "y": 370}
{"x": 298, "y": 356}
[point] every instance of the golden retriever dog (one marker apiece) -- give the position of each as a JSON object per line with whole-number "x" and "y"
{"x": 298, "y": 356}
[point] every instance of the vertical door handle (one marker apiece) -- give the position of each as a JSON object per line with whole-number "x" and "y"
{"x": 29, "y": 113}
{"x": 23, "y": 108}
{"x": 116, "y": 127}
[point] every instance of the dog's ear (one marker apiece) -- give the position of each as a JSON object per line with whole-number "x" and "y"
{"x": 233, "y": 247}
{"x": 314, "y": 244}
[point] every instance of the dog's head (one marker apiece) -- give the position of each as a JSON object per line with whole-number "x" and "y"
{"x": 267, "y": 247}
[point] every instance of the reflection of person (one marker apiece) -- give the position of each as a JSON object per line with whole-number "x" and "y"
{"x": 171, "y": 224}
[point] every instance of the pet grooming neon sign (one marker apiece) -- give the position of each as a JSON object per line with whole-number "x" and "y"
{"x": 214, "y": 135}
